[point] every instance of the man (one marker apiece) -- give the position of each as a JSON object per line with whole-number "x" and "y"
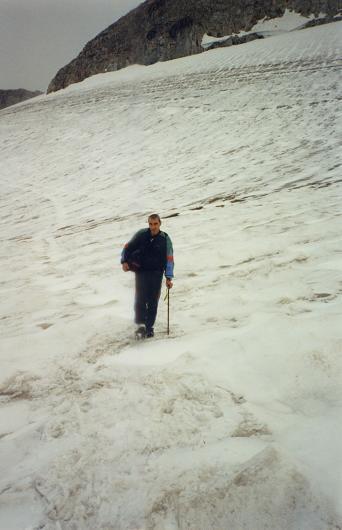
{"x": 149, "y": 254}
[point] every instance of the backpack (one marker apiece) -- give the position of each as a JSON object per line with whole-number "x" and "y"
{"x": 134, "y": 261}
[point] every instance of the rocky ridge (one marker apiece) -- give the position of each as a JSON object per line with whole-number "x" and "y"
{"x": 160, "y": 30}
{"x": 11, "y": 97}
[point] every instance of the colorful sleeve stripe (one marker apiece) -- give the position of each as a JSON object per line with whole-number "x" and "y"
{"x": 169, "y": 258}
{"x": 123, "y": 253}
{"x": 169, "y": 269}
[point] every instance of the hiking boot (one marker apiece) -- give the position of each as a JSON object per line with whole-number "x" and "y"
{"x": 140, "y": 332}
{"x": 149, "y": 333}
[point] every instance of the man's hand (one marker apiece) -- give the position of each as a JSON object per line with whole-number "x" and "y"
{"x": 169, "y": 283}
{"x": 125, "y": 267}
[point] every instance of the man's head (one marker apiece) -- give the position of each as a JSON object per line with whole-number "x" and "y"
{"x": 154, "y": 223}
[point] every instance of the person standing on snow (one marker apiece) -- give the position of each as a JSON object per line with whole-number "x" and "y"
{"x": 149, "y": 254}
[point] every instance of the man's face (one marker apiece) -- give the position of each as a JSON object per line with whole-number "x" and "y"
{"x": 154, "y": 225}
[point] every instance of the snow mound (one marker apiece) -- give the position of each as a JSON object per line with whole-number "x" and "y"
{"x": 267, "y": 492}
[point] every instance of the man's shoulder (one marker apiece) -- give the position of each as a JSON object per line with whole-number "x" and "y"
{"x": 163, "y": 234}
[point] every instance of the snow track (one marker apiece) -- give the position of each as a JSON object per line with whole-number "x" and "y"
{"x": 234, "y": 421}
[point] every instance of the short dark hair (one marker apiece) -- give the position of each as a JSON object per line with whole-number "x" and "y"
{"x": 154, "y": 216}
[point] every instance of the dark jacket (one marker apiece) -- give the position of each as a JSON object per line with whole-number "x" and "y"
{"x": 149, "y": 253}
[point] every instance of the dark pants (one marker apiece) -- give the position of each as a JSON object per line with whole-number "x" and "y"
{"x": 147, "y": 293}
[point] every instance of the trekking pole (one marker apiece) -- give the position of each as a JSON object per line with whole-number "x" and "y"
{"x": 168, "y": 311}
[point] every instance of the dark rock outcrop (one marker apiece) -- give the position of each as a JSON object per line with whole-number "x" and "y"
{"x": 321, "y": 21}
{"x": 234, "y": 40}
{"x": 159, "y": 30}
{"x": 11, "y": 97}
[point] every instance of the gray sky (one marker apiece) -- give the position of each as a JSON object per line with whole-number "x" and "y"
{"x": 37, "y": 37}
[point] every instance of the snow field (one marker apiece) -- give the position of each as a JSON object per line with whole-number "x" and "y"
{"x": 234, "y": 421}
